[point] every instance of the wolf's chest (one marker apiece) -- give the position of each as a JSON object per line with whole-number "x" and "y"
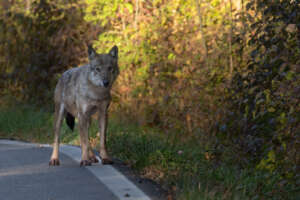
{"x": 95, "y": 97}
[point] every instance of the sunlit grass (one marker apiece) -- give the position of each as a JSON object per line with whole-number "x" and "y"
{"x": 182, "y": 168}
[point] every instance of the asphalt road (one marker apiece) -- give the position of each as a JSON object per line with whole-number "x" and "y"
{"x": 26, "y": 175}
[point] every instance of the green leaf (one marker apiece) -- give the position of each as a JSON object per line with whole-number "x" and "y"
{"x": 271, "y": 109}
{"x": 289, "y": 75}
{"x": 129, "y": 6}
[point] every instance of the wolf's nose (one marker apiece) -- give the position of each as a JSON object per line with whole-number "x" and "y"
{"x": 105, "y": 83}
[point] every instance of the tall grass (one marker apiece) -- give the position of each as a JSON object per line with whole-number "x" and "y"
{"x": 183, "y": 167}
{"x": 26, "y": 123}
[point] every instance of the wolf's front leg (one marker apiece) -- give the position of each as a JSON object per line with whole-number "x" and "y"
{"x": 102, "y": 127}
{"x": 84, "y": 139}
{"x": 58, "y": 117}
{"x": 92, "y": 156}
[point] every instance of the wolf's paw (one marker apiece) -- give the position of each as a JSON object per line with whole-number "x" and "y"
{"x": 93, "y": 159}
{"x": 107, "y": 161}
{"x": 54, "y": 162}
{"x": 85, "y": 163}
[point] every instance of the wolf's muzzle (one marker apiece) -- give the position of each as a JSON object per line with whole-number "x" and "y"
{"x": 105, "y": 83}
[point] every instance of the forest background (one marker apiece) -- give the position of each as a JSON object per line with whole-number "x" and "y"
{"x": 208, "y": 93}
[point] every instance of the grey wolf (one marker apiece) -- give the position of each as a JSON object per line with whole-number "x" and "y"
{"x": 80, "y": 93}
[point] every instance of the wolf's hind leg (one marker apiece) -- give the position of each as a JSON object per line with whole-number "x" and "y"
{"x": 58, "y": 118}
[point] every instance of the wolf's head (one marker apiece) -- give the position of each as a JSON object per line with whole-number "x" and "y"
{"x": 103, "y": 67}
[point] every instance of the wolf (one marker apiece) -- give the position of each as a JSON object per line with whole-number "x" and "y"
{"x": 80, "y": 93}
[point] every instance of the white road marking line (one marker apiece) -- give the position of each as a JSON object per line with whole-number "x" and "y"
{"x": 116, "y": 182}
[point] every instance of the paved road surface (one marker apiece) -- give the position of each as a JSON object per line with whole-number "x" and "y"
{"x": 25, "y": 175}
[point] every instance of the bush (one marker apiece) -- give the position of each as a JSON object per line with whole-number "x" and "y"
{"x": 263, "y": 121}
{"x": 39, "y": 43}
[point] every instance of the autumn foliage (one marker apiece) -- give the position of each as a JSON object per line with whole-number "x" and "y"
{"x": 225, "y": 73}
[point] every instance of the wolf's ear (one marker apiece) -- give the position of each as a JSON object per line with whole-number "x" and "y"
{"x": 91, "y": 52}
{"x": 114, "y": 52}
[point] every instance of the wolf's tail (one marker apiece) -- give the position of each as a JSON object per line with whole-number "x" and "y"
{"x": 70, "y": 119}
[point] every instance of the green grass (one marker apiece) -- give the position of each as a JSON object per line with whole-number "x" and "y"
{"x": 180, "y": 166}
{"x": 26, "y": 123}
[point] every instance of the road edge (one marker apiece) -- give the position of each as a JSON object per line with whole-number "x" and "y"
{"x": 114, "y": 180}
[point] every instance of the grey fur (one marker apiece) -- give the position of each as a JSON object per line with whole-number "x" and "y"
{"x": 81, "y": 92}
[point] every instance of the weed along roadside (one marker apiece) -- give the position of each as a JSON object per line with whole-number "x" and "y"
{"x": 184, "y": 169}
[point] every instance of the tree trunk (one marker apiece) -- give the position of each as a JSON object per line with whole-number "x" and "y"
{"x": 137, "y": 7}
{"x": 201, "y": 31}
{"x": 28, "y": 5}
{"x": 230, "y": 41}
